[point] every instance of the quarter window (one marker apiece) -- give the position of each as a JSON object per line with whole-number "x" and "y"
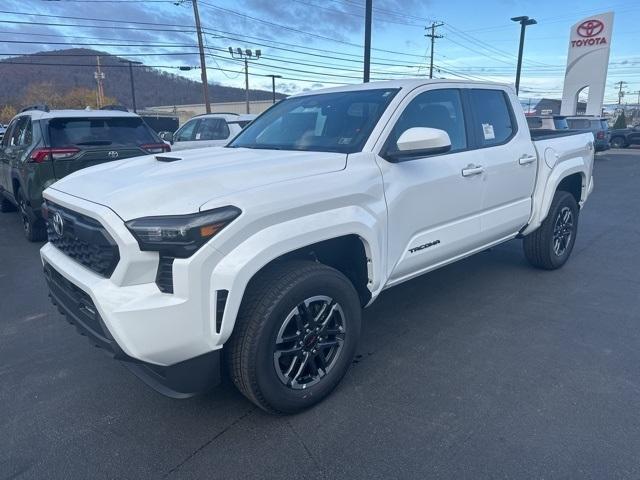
{"x": 441, "y": 109}
{"x": 493, "y": 122}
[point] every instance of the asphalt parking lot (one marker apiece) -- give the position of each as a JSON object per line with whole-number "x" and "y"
{"x": 484, "y": 369}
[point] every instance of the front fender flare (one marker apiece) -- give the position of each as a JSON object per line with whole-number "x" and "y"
{"x": 239, "y": 265}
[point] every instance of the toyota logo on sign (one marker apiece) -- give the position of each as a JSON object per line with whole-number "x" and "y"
{"x": 590, "y": 28}
{"x": 113, "y": 154}
{"x": 58, "y": 224}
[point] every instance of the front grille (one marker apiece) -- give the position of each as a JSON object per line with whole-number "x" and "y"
{"x": 82, "y": 238}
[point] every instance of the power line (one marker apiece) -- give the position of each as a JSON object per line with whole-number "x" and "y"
{"x": 433, "y": 37}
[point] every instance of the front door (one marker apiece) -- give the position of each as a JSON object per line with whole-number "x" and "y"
{"x": 434, "y": 203}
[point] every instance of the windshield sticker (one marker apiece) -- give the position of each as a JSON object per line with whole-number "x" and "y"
{"x": 487, "y": 129}
{"x": 344, "y": 140}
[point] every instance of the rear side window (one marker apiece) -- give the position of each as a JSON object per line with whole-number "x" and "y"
{"x": 493, "y": 121}
{"x": 441, "y": 109}
{"x": 579, "y": 124}
{"x": 560, "y": 123}
{"x": 21, "y": 134}
{"x": 99, "y": 131}
{"x": 604, "y": 125}
{"x": 212, "y": 129}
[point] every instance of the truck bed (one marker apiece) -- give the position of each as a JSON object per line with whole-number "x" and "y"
{"x": 544, "y": 134}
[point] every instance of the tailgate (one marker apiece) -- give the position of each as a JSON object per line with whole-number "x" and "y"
{"x": 87, "y": 157}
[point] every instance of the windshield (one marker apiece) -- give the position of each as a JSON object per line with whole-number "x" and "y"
{"x": 99, "y": 131}
{"x": 327, "y": 122}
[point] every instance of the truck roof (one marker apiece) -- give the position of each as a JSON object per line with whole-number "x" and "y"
{"x": 40, "y": 114}
{"x": 409, "y": 84}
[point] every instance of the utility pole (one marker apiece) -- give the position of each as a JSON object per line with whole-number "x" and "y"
{"x": 273, "y": 85}
{"x": 133, "y": 89}
{"x": 524, "y": 22}
{"x": 368, "y": 10}
{"x": 620, "y": 92}
{"x": 203, "y": 64}
{"x": 433, "y": 37}
{"x": 99, "y": 76}
{"x": 246, "y": 55}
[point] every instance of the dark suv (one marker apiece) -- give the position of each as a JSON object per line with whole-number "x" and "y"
{"x": 41, "y": 146}
{"x": 596, "y": 125}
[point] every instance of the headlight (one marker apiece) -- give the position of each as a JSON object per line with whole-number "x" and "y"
{"x": 180, "y": 235}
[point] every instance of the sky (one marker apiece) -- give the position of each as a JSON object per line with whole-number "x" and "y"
{"x": 318, "y": 43}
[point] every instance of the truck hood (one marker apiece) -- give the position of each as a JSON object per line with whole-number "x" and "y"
{"x": 145, "y": 186}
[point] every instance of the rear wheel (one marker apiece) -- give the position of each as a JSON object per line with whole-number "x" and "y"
{"x": 618, "y": 142}
{"x": 33, "y": 228}
{"x": 550, "y": 246}
{"x": 6, "y": 205}
{"x": 295, "y": 336}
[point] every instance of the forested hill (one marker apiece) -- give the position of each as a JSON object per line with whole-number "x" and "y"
{"x": 74, "y": 68}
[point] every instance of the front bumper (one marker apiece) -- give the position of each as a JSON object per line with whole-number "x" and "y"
{"x": 179, "y": 380}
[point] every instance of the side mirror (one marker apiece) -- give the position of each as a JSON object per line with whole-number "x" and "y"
{"x": 167, "y": 137}
{"x": 421, "y": 142}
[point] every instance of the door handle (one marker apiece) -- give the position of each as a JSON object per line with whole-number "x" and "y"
{"x": 471, "y": 170}
{"x": 527, "y": 159}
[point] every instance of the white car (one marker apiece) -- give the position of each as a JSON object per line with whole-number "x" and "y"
{"x": 260, "y": 255}
{"x": 210, "y": 130}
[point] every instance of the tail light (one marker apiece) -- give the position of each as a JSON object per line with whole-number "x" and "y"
{"x": 156, "y": 147}
{"x": 39, "y": 155}
{"x": 600, "y": 135}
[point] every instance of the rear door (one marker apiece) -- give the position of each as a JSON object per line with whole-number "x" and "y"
{"x": 507, "y": 154}
{"x": 5, "y": 155}
{"x": 82, "y": 142}
{"x": 15, "y": 145}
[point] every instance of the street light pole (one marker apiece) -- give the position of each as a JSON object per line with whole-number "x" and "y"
{"x": 524, "y": 21}
{"x": 245, "y": 55}
{"x": 273, "y": 86}
{"x": 133, "y": 89}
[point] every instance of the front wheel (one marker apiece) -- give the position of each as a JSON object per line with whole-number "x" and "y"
{"x": 295, "y": 336}
{"x": 550, "y": 246}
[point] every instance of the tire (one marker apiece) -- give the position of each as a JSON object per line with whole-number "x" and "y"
{"x": 550, "y": 246}
{"x": 6, "y": 205}
{"x": 618, "y": 142}
{"x": 260, "y": 353}
{"x": 34, "y": 229}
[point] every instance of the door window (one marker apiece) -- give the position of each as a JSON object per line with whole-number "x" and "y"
{"x": 212, "y": 129}
{"x": 441, "y": 109}
{"x": 493, "y": 120}
{"x": 185, "y": 134}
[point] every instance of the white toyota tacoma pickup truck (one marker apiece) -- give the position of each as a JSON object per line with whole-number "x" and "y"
{"x": 258, "y": 257}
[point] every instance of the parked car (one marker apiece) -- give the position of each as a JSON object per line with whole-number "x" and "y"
{"x": 2, "y": 130}
{"x": 259, "y": 256}
{"x": 42, "y": 146}
{"x": 210, "y": 130}
{"x": 547, "y": 122}
{"x": 625, "y": 137}
{"x": 597, "y": 125}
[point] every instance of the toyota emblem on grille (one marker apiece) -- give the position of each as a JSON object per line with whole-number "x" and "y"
{"x": 112, "y": 154}
{"x": 58, "y": 223}
{"x": 590, "y": 28}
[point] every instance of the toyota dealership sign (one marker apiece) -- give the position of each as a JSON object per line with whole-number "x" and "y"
{"x": 587, "y": 63}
